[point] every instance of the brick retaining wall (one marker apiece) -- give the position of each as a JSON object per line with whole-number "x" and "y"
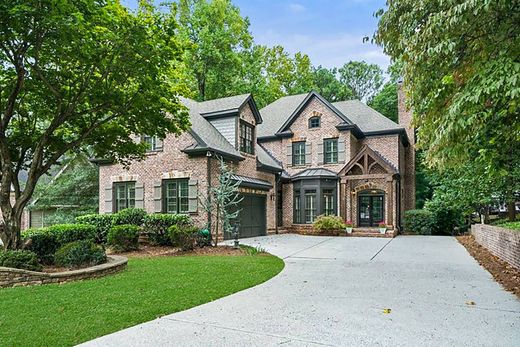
{"x": 10, "y": 277}
{"x": 501, "y": 242}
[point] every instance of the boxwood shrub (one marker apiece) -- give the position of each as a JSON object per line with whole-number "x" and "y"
{"x": 20, "y": 259}
{"x": 125, "y": 237}
{"x": 66, "y": 233}
{"x": 156, "y": 226}
{"x": 419, "y": 221}
{"x": 101, "y": 222}
{"x": 42, "y": 242}
{"x": 80, "y": 254}
{"x": 184, "y": 237}
{"x": 134, "y": 216}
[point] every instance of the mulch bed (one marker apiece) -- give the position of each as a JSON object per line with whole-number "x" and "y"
{"x": 147, "y": 251}
{"x": 505, "y": 274}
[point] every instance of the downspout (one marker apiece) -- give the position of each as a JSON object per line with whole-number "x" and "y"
{"x": 208, "y": 190}
{"x": 398, "y": 198}
{"x": 278, "y": 178}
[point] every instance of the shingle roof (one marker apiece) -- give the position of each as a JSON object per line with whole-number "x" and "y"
{"x": 223, "y": 104}
{"x": 205, "y": 133}
{"x": 276, "y": 113}
{"x": 251, "y": 182}
{"x": 365, "y": 117}
{"x": 265, "y": 158}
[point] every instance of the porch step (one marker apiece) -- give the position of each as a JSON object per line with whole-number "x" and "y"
{"x": 371, "y": 232}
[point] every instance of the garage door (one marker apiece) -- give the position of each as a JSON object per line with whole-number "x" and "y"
{"x": 252, "y": 217}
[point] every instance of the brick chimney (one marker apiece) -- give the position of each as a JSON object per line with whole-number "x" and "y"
{"x": 408, "y": 176}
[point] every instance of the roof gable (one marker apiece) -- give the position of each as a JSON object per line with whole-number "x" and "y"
{"x": 365, "y": 160}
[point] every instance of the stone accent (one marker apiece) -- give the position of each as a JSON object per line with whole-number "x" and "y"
{"x": 501, "y": 242}
{"x": 10, "y": 277}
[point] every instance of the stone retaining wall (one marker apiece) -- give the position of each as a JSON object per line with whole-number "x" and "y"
{"x": 10, "y": 277}
{"x": 501, "y": 242}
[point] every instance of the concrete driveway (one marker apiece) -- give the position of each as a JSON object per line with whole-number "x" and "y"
{"x": 333, "y": 291}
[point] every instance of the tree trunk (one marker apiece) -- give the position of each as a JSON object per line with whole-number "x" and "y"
{"x": 10, "y": 232}
{"x": 511, "y": 213}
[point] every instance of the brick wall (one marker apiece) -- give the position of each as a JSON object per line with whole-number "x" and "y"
{"x": 501, "y": 242}
{"x": 408, "y": 176}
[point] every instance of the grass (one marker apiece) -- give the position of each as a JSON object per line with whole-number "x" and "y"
{"x": 68, "y": 314}
{"x": 504, "y": 223}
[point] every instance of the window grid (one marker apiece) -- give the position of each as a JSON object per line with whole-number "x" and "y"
{"x": 310, "y": 206}
{"x": 298, "y": 149}
{"x": 328, "y": 202}
{"x": 297, "y": 208}
{"x": 314, "y": 122}
{"x": 246, "y": 138}
{"x": 151, "y": 142}
{"x": 176, "y": 196}
{"x": 124, "y": 195}
{"x": 330, "y": 151}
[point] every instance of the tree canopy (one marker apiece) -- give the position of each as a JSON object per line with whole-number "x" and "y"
{"x": 76, "y": 75}
{"x": 362, "y": 78}
{"x": 461, "y": 68}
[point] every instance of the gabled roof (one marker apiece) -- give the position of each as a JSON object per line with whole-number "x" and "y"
{"x": 228, "y": 105}
{"x": 266, "y": 160}
{"x": 368, "y": 152}
{"x": 353, "y": 115}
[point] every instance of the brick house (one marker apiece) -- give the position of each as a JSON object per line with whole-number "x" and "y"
{"x": 297, "y": 158}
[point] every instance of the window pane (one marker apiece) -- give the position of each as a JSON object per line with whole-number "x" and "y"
{"x": 310, "y": 206}
{"x": 297, "y": 210}
{"x": 328, "y": 201}
{"x": 331, "y": 151}
{"x": 298, "y": 153}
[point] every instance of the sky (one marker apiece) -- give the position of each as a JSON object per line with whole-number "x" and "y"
{"x": 329, "y": 31}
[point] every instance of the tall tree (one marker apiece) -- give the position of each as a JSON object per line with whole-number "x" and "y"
{"x": 77, "y": 74}
{"x": 327, "y": 84}
{"x": 461, "y": 76}
{"x": 385, "y": 102}
{"x": 362, "y": 78}
{"x": 217, "y": 34}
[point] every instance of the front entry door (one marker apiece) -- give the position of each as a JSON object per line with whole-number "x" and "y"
{"x": 371, "y": 211}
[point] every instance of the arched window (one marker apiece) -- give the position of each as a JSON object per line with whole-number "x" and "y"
{"x": 314, "y": 122}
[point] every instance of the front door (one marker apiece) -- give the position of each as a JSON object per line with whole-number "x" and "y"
{"x": 371, "y": 209}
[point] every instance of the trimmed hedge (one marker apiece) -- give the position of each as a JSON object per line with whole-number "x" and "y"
{"x": 419, "y": 222}
{"x": 101, "y": 222}
{"x": 133, "y": 216}
{"x": 46, "y": 241}
{"x": 156, "y": 226}
{"x": 20, "y": 260}
{"x": 125, "y": 237}
{"x": 329, "y": 223}
{"x": 80, "y": 254}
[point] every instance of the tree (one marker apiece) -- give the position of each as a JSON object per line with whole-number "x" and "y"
{"x": 385, "y": 102}
{"x": 217, "y": 34}
{"x": 76, "y": 75}
{"x": 222, "y": 201}
{"x": 327, "y": 85}
{"x": 461, "y": 77}
{"x": 362, "y": 78}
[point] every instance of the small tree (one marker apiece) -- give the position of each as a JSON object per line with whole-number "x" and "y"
{"x": 222, "y": 200}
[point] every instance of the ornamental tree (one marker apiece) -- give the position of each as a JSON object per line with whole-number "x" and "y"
{"x": 77, "y": 75}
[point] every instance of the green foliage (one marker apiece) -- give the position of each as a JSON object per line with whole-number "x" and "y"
{"x": 362, "y": 78}
{"x": 124, "y": 237}
{"x": 20, "y": 259}
{"x": 134, "y": 216}
{"x": 88, "y": 76}
{"x": 419, "y": 222}
{"x": 42, "y": 242}
{"x": 253, "y": 250}
{"x": 385, "y": 101}
{"x": 65, "y": 233}
{"x": 184, "y": 237}
{"x": 461, "y": 78}
{"x": 447, "y": 219}
{"x": 509, "y": 225}
{"x": 215, "y": 33}
{"x": 101, "y": 222}
{"x": 80, "y": 254}
{"x": 327, "y": 84}
{"x": 156, "y": 226}
{"x": 328, "y": 223}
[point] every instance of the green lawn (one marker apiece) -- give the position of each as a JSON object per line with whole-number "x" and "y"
{"x": 67, "y": 314}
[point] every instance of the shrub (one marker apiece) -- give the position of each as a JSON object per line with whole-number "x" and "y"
{"x": 328, "y": 223}
{"x": 418, "y": 222}
{"x": 156, "y": 226}
{"x": 134, "y": 216}
{"x": 446, "y": 218}
{"x": 183, "y": 237}
{"x": 102, "y": 223}
{"x": 66, "y": 233}
{"x": 79, "y": 254}
{"x": 20, "y": 260}
{"x": 125, "y": 237}
{"x": 42, "y": 242}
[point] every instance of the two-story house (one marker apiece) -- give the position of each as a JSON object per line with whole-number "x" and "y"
{"x": 295, "y": 159}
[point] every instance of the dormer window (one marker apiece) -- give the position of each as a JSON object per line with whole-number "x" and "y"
{"x": 246, "y": 138}
{"x": 314, "y": 122}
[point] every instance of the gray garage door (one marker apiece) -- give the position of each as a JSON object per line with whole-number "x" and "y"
{"x": 252, "y": 217}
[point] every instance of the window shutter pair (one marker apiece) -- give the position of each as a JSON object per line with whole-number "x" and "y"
{"x": 109, "y": 202}
{"x": 193, "y": 196}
